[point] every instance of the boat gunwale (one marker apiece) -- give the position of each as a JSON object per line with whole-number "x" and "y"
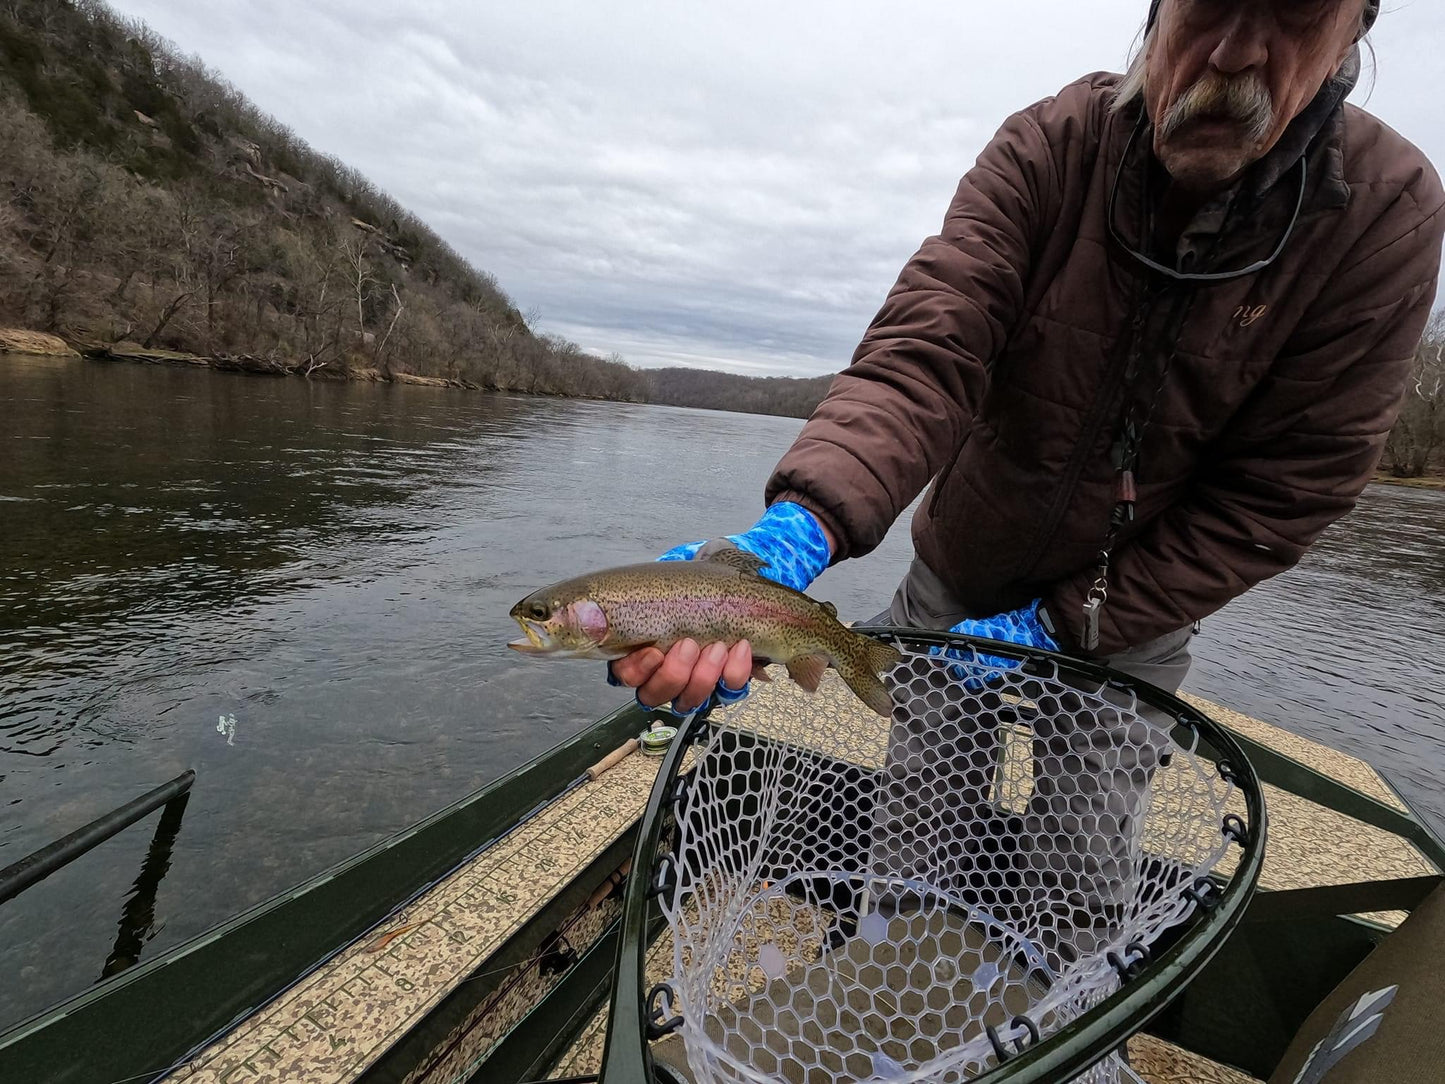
{"x": 136, "y": 1024}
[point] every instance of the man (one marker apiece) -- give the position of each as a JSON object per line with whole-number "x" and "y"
{"x": 1154, "y": 351}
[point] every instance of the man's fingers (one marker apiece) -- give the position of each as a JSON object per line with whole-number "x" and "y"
{"x": 739, "y": 665}
{"x": 672, "y": 676}
{"x": 687, "y": 674}
{"x": 636, "y": 668}
{"x": 703, "y": 679}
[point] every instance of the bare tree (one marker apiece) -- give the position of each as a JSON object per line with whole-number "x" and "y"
{"x": 381, "y": 356}
{"x": 173, "y": 282}
{"x": 1420, "y": 429}
{"x": 318, "y": 298}
{"x": 359, "y": 278}
{"x": 131, "y": 236}
{"x": 69, "y": 211}
{"x": 215, "y": 254}
{"x": 174, "y": 306}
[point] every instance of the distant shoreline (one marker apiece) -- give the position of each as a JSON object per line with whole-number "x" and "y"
{"x": 43, "y": 345}
{"x": 1425, "y": 481}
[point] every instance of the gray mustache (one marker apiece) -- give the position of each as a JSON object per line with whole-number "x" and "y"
{"x": 1245, "y": 99}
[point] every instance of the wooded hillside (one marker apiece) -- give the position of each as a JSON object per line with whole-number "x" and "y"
{"x": 145, "y": 199}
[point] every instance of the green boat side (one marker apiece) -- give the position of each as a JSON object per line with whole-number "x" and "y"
{"x": 144, "y": 1021}
{"x": 525, "y": 1003}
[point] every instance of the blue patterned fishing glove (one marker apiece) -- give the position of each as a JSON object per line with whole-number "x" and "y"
{"x": 1023, "y": 627}
{"x": 787, "y": 537}
{"x": 790, "y": 539}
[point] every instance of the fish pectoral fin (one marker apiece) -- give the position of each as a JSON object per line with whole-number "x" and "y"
{"x": 760, "y": 670}
{"x": 748, "y": 563}
{"x": 807, "y": 670}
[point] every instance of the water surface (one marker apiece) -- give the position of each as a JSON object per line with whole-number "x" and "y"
{"x": 300, "y": 591}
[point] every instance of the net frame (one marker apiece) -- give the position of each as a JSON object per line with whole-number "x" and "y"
{"x": 640, "y": 1014}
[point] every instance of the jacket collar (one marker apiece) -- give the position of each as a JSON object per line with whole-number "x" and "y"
{"x": 1317, "y": 135}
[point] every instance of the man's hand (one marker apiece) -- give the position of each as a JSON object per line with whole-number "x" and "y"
{"x": 796, "y": 549}
{"x": 1024, "y": 627}
{"x": 687, "y": 675}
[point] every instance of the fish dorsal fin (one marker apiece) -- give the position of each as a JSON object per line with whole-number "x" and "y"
{"x": 749, "y": 563}
{"x": 829, "y": 609}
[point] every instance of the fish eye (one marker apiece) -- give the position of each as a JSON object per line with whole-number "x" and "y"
{"x": 538, "y": 610}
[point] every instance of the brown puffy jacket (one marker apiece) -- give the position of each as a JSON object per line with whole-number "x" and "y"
{"x": 996, "y": 368}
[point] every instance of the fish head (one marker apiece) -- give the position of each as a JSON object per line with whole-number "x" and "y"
{"x": 557, "y": 623}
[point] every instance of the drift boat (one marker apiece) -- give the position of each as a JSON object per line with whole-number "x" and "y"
{"x": 484, "y": 944}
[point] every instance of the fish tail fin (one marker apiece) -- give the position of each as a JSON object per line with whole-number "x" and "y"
{"x": 863, "y": 662}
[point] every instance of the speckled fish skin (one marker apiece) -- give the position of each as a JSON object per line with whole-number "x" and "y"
{"x": 720, "y": 599}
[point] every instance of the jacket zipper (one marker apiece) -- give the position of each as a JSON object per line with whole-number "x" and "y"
{"x": 1140, "y": 320}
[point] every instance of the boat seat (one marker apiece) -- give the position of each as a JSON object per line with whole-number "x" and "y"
{"x": 1386, "y": 1020}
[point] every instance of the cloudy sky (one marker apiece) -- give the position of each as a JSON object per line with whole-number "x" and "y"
{"x": 728, "y": 184}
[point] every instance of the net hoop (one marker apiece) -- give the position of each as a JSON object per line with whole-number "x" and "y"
{"x": 641, "y": 1013}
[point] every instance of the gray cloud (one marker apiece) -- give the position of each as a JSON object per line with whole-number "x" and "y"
{"x": 731, "y": 185}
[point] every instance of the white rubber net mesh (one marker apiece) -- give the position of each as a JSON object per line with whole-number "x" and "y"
{"x": 858, "y": 899}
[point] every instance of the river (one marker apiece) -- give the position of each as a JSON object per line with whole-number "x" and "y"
{"x": 301, "y": 591}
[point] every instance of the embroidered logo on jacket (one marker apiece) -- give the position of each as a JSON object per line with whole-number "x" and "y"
{"x": 1248, "y": 314}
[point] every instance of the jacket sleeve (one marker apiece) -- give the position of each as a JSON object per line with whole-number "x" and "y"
{"x": 901, "y": 409}
{"x": 1297, "y": 455}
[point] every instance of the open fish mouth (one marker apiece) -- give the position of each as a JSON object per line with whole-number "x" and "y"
{"x": 537, "y": 640}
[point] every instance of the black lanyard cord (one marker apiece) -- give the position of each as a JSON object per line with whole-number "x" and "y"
{"x": 1196, "y": 276}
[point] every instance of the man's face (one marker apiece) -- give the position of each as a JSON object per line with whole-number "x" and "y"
{"x": 1226, "y": 77}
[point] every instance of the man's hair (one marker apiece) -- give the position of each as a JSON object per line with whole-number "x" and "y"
{"x": 1131, "y": 87}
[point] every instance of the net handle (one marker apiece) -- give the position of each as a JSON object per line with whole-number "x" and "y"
{"x": 626, "y": 1057}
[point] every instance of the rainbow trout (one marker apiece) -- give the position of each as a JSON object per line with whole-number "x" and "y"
{"x": 718, "y": 599}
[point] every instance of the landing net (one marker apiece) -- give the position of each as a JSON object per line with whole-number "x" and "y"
{"x": 928, "y": 897}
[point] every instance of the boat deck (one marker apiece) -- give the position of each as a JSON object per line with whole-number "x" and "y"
{"x": 340, "y": 1019}
{"x": 336, "y": 1023}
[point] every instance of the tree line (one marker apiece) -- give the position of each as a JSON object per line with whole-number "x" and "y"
{"x": 1418, "y": 438}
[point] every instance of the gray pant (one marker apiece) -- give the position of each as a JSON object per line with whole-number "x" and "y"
{"x": 1056, "y": 863}
{"x": 923, "y": 602}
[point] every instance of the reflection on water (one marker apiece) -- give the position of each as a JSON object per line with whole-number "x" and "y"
{"x": 138, "y": 918}
{"x": 327, "y": 570}
{"x": 1349, "y": 647}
